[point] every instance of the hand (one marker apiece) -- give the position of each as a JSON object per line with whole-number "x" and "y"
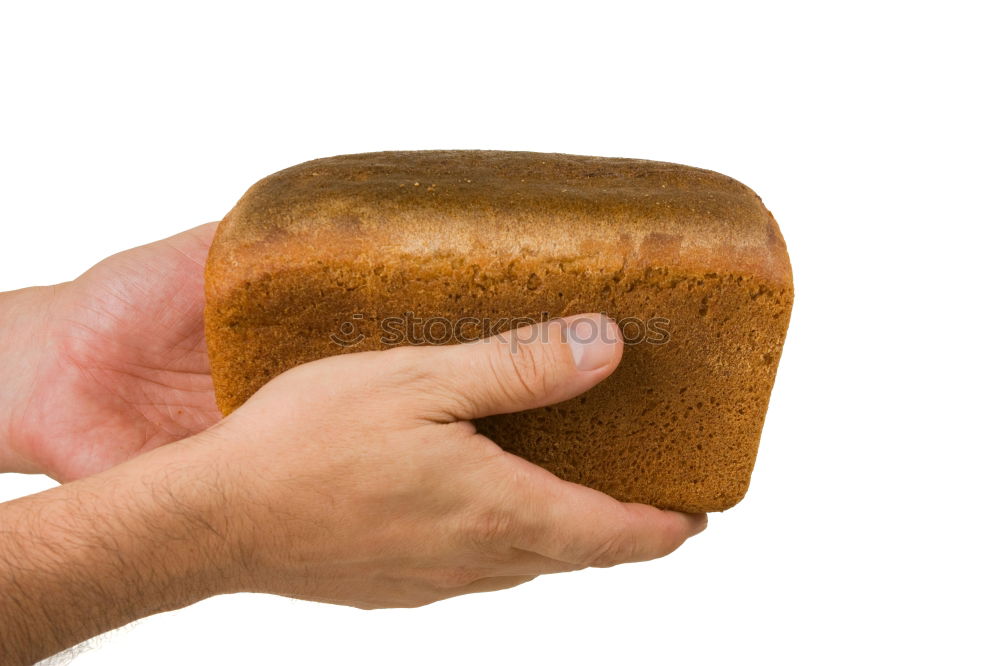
{"x": 359, "y": 479}
{"x": 120, "y": 363}
{"x": 355, "y": 480}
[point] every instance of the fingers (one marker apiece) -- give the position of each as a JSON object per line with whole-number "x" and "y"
{"x": 520, "y": 562}
{"x": 583, "y": 527}
{"x": 527, "y": 367}
{"x": 489, "y": 585}
{"x": 428, "y": 595}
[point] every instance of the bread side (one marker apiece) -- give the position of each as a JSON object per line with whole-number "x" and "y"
{"x": 489, "y": 235}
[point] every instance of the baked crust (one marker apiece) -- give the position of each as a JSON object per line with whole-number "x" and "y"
{"x": 491, "y": 235}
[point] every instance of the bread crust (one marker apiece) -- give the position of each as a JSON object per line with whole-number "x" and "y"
{"x": 488, "y": 235}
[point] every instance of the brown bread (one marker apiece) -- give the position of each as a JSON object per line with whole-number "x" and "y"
{"x": 358, "y": 239}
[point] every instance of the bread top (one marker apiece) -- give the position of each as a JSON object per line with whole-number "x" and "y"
{"x": 491, "y": 206}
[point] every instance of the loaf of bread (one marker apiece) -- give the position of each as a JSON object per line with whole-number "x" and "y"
{"x": 316, "y": 259}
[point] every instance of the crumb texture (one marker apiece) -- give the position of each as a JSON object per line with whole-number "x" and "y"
{"x": 491, "y": 235}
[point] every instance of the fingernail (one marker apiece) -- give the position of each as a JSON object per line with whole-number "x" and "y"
{"x": 593, "y": 340}
{"x": 701, "y": 524}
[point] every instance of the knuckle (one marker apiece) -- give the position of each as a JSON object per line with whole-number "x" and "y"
{"x": 499, "y": 521}
{"x": 491, "y": 529}
{"x": 405, "y": 364}
{"x": 614, "y": 550}
{"x": 527, "y": 367}
{"x": 412, "y": 378}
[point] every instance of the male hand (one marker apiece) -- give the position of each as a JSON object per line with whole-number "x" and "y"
{"x": 356, "y": 480}
{"x": 360, "y": 480}
{"x": 110, "y": 364}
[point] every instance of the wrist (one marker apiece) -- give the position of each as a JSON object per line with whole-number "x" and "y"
{"x": 184, "y": 490}
{"x": 25, "y": 319}
{"x": 144, "y": 537}
{"x": 220, "y": 503}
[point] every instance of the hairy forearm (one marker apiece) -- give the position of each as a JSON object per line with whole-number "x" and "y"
{"x": 93, "y": 555}
{"x": 23, "y": 320}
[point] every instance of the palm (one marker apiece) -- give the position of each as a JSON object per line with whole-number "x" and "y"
{"x": 129, "y": 370}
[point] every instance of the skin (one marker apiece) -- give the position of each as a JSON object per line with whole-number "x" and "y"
{"x": 111, "y": 364}
{"x": 356, "y": 480}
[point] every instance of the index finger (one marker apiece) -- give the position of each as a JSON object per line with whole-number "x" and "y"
{"x": 585, "y": 527}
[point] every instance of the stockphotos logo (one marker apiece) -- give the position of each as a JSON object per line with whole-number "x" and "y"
{"x": 412, "y": 330}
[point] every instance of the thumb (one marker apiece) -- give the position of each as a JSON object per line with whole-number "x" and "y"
{"x": 524, "y": 368}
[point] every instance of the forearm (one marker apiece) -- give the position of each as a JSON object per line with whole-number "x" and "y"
{"x": 23, "y": 343}
{"x": 92, "y": 555}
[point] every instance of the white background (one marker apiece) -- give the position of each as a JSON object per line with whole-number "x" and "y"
{"x": 870, "y": 131}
